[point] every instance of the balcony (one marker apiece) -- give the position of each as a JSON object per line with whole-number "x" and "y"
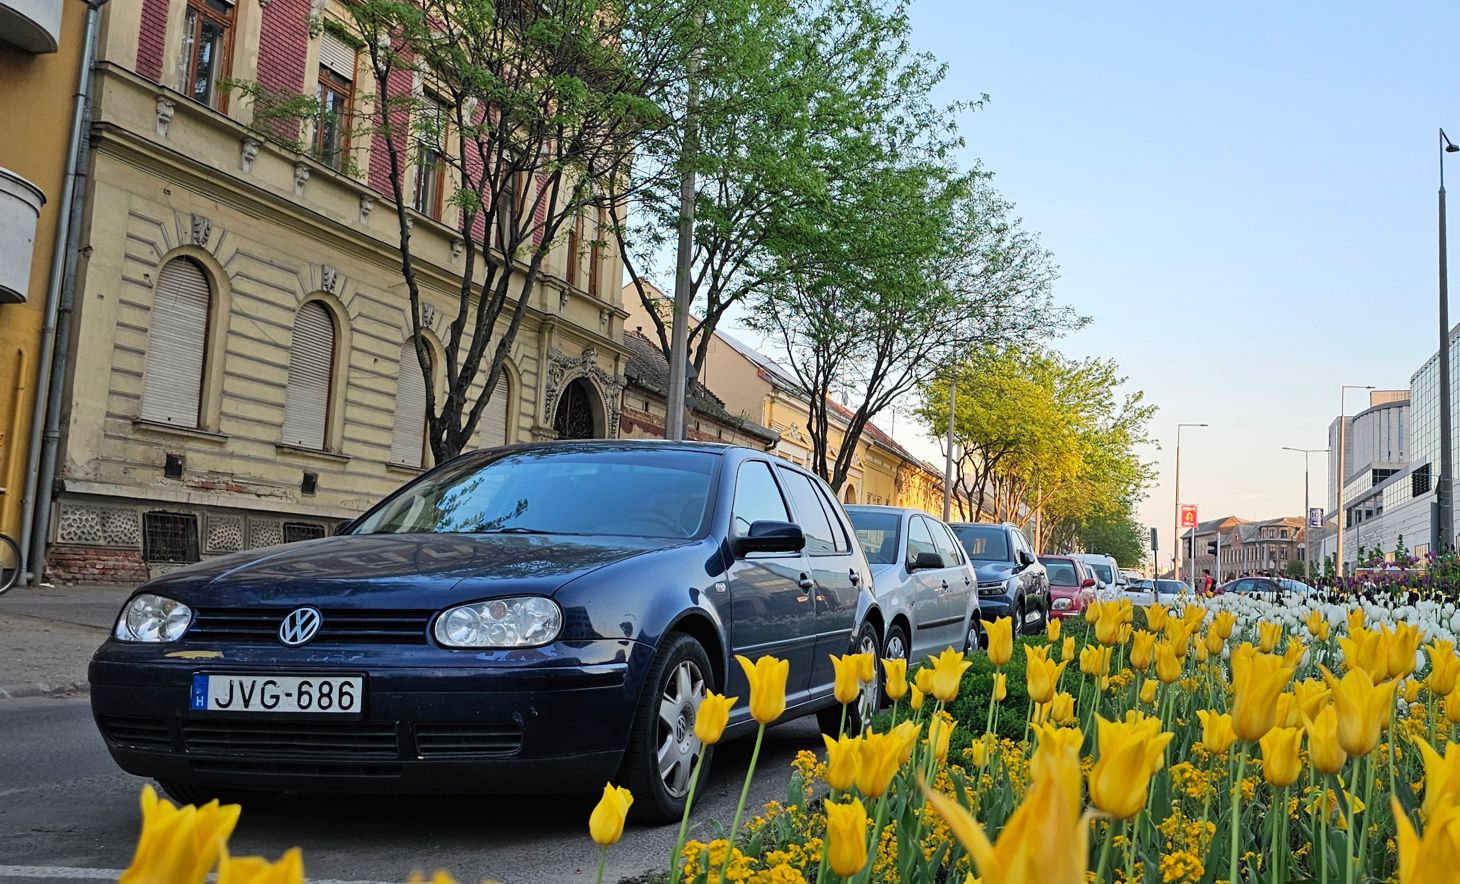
{"x": 20, "y": 208}
{"x": 31, "y": 25}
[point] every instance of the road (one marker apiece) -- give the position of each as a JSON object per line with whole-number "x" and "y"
{"x": 66, "y": 808}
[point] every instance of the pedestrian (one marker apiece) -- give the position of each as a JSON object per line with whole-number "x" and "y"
{"x": 1208, "y": 583}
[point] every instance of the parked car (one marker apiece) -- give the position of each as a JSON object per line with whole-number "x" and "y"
{"x": 1071, "y": 587}
{"x": 1267, "y": 586}
{"x": 922, "y": 579}
{"x": 1011, "y": 581}
{"x": 1167, "y": 591}
{"x": 532, "y": 618}
{"x": 1107, "y": 574}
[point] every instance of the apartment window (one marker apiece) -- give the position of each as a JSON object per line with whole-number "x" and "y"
{"x": 177, "y": 345}
{"x": 493, "y": 428}
{"x": 169, "y": 537}
{"x": 408, "y": 439}
{"x": 575, "y": 242}
{"x": 294, "y": 532}
{"x": 311, "y": 372}
{"x": 207, "y": 47}
{"x": 595, "y": 254}
{"x": 430, "y": 157}
{"x": 335, "y": 94}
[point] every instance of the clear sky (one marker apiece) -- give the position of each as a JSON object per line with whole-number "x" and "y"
{"x": 1241, "y": 194}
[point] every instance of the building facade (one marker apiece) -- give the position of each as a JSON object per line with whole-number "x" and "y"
{"x": 1376, "y": 444}
{"x": 1246, "y": 547}
{"x": 243, "y": 370}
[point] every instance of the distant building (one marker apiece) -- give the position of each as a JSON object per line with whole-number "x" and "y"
{"x": 644, "y": 409}
{"x": 1247, "y": 546}
{"x": 1376, "y": 444}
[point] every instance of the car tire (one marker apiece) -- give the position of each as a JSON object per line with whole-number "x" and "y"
{"x": 199, "y": 794}
{"x": 897, "y": 646}
{"x": 830, "y": 718}
{"x": 681, "y": 658}
{"x": 976, "y": 641}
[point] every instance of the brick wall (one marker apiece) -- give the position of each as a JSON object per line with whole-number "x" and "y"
{"x": 283, "y": 42}
{"x": 398, "y": 84}
{"x": 89, "y": 564}
{"x": 152, "y": 33}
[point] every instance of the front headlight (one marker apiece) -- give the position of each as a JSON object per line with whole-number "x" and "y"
{"x": 501, "y": 623}
{"x": 153, "y": 618}
{"x": 1061, "y": 604}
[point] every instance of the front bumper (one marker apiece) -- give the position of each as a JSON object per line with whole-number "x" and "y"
{"x": 992, "y": 607}
{"x": 551, "y": 719}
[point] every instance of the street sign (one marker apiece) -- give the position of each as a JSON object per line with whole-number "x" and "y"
{"x": 1315, "y": 517}
{"x": 1154, "y": 547}
{"x": 1188, "y": 515}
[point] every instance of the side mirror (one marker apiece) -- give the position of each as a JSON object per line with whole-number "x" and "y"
{"x": 770, "y": 537}
{"x": 925, "y": 561}
{"x": 344, "y": 527}
{"x": 1087, "y": 583}
{"x": 1026, "y": 558}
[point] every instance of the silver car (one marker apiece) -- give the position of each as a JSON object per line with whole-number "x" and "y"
{"x": 923, "y": 581}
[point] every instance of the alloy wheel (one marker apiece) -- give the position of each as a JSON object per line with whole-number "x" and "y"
{"x": 895, "y": 648}
{"x": 679, "y": 748}
{"x": 871, "y": 699}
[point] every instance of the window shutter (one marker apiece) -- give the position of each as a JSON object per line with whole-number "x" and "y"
{"x": 408, "y": 441}
{"x": 494, "y": 416}
{"x": 311, "y": 362}
{"x": 337, "y": 55}
{"x": 171, "y": 390}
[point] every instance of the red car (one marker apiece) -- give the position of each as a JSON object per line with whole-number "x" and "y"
{"x": 1071, "y": 586}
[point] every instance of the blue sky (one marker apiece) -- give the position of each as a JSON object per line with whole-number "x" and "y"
{"x": 1241, "y": 194}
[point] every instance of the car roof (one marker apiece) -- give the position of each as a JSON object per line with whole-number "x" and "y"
{"x": 982, "y": 525}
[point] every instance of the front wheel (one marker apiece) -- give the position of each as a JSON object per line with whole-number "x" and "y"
{"x": 663, "y": 749}
{"x": 9, "y": 563}
{"x": 976, "y": 640}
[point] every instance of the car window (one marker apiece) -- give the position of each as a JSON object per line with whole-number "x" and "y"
{"x": 809, "y": 514}
{"x": 877, "y": 535}
{"x": 838, "y": 533}
{"x": 918, "y": 539}
{"x": 1104, "y": 574}
{"x": 985, "y": 543}
{"x": 757, "y": 499}
{"x": 1245, "y": 586}
{"x": 1062, "y": 573}
{"x": 942, "y": 542}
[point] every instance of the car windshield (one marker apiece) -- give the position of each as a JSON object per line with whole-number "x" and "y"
{"x": 1060, "y": 573}
{"x": 1104, "y": 574}
{"x": 1175, "y": 587}
{"x": 988, "y": 544}
{"x": 603, "y": 491}
{"x": 1294, "y": 585}
{"x": 877, "y": 533}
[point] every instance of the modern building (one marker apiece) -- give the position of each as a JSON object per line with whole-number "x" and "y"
{"x": 1376, "y": 444}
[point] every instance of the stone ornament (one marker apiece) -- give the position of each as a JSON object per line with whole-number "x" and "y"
{"x": 301, "y": 177}
{"x": 563, "y": 368}
{"x": 367, "y": 203}
{"x": 202, "y": 228}
{"x": 329, "y": 278}
{"x": 165, "y": 111}
{"x": 456, "y": 247}
{"x": 247, "y": 153}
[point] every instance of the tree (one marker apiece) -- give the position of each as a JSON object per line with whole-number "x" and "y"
{"x": 1114, "y": 533}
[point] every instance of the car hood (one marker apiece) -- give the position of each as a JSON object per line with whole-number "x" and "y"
{"x": 988, "y": 571}
{"x": 399, "y": 570}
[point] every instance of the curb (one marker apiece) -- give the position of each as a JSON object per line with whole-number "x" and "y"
{"x": 42, "y": 689}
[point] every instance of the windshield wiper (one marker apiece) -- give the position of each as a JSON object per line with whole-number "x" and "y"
{"x": 518, "y": 529}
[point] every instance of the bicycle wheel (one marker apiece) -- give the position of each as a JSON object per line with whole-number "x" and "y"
{"x": 9, "y": 563}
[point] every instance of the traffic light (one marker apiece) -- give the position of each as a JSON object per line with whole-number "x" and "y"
{"x": 1211, "y": 547}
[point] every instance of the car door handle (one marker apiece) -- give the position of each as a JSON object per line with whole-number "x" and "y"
{"x": 854, "y": 576}
{"x": 945, "y": 584}
{"x": 806, "y": 582}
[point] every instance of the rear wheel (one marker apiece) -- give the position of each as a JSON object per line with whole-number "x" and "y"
{"x": 860, "y": 712}
{"x": 977, "y": 640}
{"x": 199, "y": 794}
{"x": 663, "y": 748}
{"x": 896, "y": 647}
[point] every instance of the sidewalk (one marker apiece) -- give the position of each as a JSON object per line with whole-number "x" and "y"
{"x": 47, "y": 637}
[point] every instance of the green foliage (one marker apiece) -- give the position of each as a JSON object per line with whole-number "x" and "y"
{"x": 970, "y": 708}
{"x": 1114, "y": 532}
{"x": 1295, "y": 569}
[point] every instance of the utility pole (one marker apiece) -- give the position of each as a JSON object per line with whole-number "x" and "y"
{"x": 1443, "y": 490}
{"x": 948, "y": 461}
{"x": 679, "y": 333}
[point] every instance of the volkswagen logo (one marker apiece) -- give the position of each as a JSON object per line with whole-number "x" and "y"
{"x": 300, "y": 626}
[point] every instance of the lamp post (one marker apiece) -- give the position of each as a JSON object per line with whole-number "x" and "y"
{"x": 1443, "y": 503}
{"x": 1307, "y": 528}
{"x": 1342, "y": 416}
{"x": 1176, "y": 521}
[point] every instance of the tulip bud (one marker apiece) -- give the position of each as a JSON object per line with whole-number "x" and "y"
{"x": 606, "y": 823}
{"x": 712, "y": 716}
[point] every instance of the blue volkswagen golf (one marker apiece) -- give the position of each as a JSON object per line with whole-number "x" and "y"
{"x": 530, "y": 618}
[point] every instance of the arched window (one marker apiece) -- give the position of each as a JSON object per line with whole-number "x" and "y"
{"x": 408, "y": 441}
{"x": 850, "y": 495}
{"x": 574, "y": 418}
{"x": 493, "y": 427}
{"x": 311, "y": 370}
{"x": 177, "y": 344}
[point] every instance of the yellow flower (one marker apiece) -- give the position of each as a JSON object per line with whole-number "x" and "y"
{"x": 1095, "y": 660}
{"x": 978, "y": 751}
{"x": 1001, "y": 687}
{"x": 1364, "y": 649}
{"x": 1148, "y": 692}
{"x": 767, "y": 677}
{"x": 939, "y": 730}
{"x": 879, "y": 758}
{"x": 1001, "y": 641}
{"x": 1288, "y": 712}
{"x": 606, "y": 823}
{"x": 1168, "y": 667}
{"x": 1452, "y": 706}
{"x": 1052, "y": 629}
{"x": 1257, "y": 679}
{"x": 1142, "y": 650}
{"x": 866, "y": 666}
{"x": 178, "y": 844}
{"x": 846, "y": 832}
{"x": 907, "y": 739}
{"x": 1042, "y": 674}
{"x": 1314, "y": 621}
{"x": 1156, "y": 617}
{"x": 1092, "y": 611}
{"x": 1178, "y": 636}
{"x": 1130, "y": 752}
{"x": 257, "y": 870}
{"x": 1217, "y": 735}
{"x": 1355, "y": 620}
{"x": 1058, "y": 756}
{"x": 917, "y": 699}
{"x": 842, "y": 757}
{"x": 1401, "y": 646}
{"x": 1223, "y": 624}
{"x": 1312, "y": 696}
{"x": 1268, "y": 636}
{"x": 895, "y": 673}
{"x": 713, "y": 714}
{"x": 948, "y": 669}
{"x": 1363, "y": 708}
{"x": 1192, "y": 616}
{"x": 1202, "y": 654}
{"x": 923, "y": 680}
{"x": 1293, "y": 656}
{"x": 847, "y": 669}
{"x": 1213, "y": 641}
{"x": 1444, "y": 668}
{"x": 1280, "y": 764}
{"x": 1107, "y": 626}
{"x": 1411, "y": 691}
{"x": 1442, "y": 776}
{"x": 1324, "y": 749}
{"x": 1433, "y": 858}
{"x": 1067, "y": 648}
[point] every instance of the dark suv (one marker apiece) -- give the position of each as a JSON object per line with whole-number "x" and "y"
{"x": 1011, "y": 581}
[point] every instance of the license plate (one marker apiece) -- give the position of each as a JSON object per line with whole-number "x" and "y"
{"x": 278, "y": 693}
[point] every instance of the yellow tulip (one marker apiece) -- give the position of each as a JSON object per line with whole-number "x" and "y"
{"x": 1213, "y": 641}
{"x": 1356, "y": 619}
{"x": 1268, "y": 636}
{"x": 1433, "y": 858}
{"x": 1001, "y": 641}
{"x": 1052, "y": 629}
{"x": 1411, "y": 691}
{"x": 1095, "y": 660}
{"x": 1288, "y": 713}
{"x": 1001, "y": 687}
{"x": 441, "y": 876}
{"x": 767, "y": 677}
{"x": 1142, "y": 650}
{"x": 1324, "y": 749}
{"x": 713, "y": 714}
{"x": 1257, "y": 680}
{"x": 1442, "y": 776}
{"x": 847, "y": 686}
{"x": 1364, "y": 649}
{"x": 1202, "y": 654}
{"x": 1130, "y": 753}
{"x": 178, "y": 844}
{"x": 917, "y": 699}
{"x": 1062, "y": 708}
{"x": 1058, "y": 756}
{"x": 1293, "y": 656}
{"x": 1156, "y": 617}
{"x": 1107, "y": 627}
{"x": 1444, "y": 668}
{"x": 948, "y": 669}
{"x": 842, "y": 758}
{"x": 606, "y": 823}
{"x": 907, "y": 739}
{"x": 1280, "y": 763}
{"x": 1452, "y": 706}
{"x": 1314, "y": 621}
{"x": 257, "y": 870}
{"x": 1363, "y": 709}
{"x": 923, "y": 680}
{"x": 846, "y": 834}
{"x": 878, "y": 760}
{"x": 978, "y": 751}
{"x": 1223, "y": 623}
{"x": 940, "y": 729}
{"x": 1312, "y": 696}
{"x": 1067, "y": 649}
{"x": 1092, "y": 611}
{"x": 1217, "y": 735}
{"x": 1193, "y": 616}
{"x": 1401, "y": 646}
{"x": 895, "y": 674}
{"x": 1148, "y": 692}
{"x": 866, "y": 667}
{"x": 1168, "y": 668}
{"x": 1042, "y": 674}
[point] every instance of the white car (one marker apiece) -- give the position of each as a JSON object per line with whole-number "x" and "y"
{"x": 1108, "y": 575}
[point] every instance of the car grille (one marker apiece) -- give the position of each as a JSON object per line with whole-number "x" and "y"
{"x": 271, "y": 740}
{"x": 320, "y": 768}
{"x": 435, "y": 740}
{"x": 991, "y": 587}
{"x": 338, "y": 626}
{"x": 137, "y": 733}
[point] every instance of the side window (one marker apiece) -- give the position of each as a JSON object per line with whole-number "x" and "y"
{"x": 919, "y": 540}
{"x": 947, "y": 548}
{"x": 757, "y": 499}
{"x": 838, "y": 533}
{"x": 1022, "y": 542}
{"x": 809, "y": 514}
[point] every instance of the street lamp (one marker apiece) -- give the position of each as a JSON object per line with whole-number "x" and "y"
{"x": 1307, "y": 528}
{"x": 1342, "y": 414}
{"x": 1443, "y": 503}
{"x": 1176, "y": 521}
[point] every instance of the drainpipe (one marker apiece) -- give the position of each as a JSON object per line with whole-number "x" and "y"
{"x": 56, "y": 333}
